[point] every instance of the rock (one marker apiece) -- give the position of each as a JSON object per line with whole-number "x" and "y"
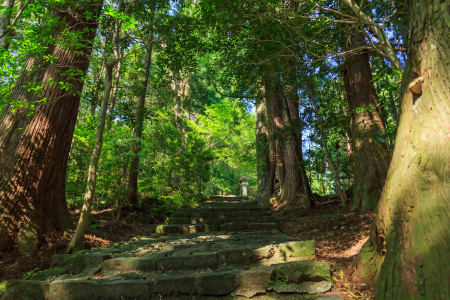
{"x": 252, "y": 282}
{"x": 263, "y": 252}
{"x": 26, "y": 290}
{"x": 262, "y": 226}
{"x": 329, "y": 297}
{"x": 167, "y": 284}
{"x": 303, "y": 271}
{"x": 305, "y": 287}
{"x": 48, "y": 274}
{"x": 236, "y": 256}
{"x": 100, "y": 289}
{"x": 189, "y": 262}
{"x": 297, "y": 250}
{"x": 218, "y": 283}
{"x": 130, "y": 264}
{"x": 76, "y": 263}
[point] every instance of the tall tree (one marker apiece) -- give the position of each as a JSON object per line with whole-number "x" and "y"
{"x": 5, "y": 23}
{"x": 367, "y": 126}
{"x": 276, "y": 150}
{"x": 34, "y": 145}
{"x": 77, "y": 242}
{"x": 140, "y": 110}
{"x": 408, "y": 246}
{"x": 262, "y": 153}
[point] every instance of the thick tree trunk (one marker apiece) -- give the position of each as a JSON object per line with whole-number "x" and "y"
{"x": 295, "y": 190}
{"x": 134, "y": 165}
{"x": 34, "y": 148}
{"x": 410, "y": 233}
{"x": 276, "y": 151}
{"x": 262, "y": 154}
{"x": 5, "y": 22}
{"x": 371, "y": 157}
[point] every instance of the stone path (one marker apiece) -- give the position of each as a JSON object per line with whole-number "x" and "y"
{"x": 227, "y": 247}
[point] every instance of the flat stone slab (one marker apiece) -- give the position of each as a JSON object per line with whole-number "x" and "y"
{"x": 100, "y": 289}
{"x": 26, "y": 289}
{"x": 76, "y": 263}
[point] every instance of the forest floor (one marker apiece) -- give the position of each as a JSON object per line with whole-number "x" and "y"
{"x": 339, "y": 234}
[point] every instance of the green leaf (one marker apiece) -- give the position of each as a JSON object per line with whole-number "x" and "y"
{"x": 379, "y": 138}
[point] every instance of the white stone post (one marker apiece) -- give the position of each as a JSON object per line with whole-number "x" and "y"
{"x": 244, "y": 182}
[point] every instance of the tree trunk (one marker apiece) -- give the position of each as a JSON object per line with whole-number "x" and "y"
{"x": 34, "y": 147}
{"x": 77, "y": 242}
{"x": 262, "y": 154}
{"x": 274, "y": 110}
{"x": 409, "y": 237}
{"x": 114, "y": 89}
{"x": 371, "y": 156}
{"x": 296, "y": 192}
{"x": 334, "y": 169}
{"x": 5, "y": 22}
{"x": 134, "y": 165}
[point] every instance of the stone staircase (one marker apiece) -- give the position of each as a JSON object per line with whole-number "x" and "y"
{"x": 227, "y": 247}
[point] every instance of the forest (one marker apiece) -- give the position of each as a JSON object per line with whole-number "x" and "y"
{"x": 124, "y": 119}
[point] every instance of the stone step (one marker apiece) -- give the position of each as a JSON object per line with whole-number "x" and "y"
{"x": 221, "y": 209}
{"x": 309, "y": 277}
{"x": 221, "y": 215}
{"x": 211, "y": 255}
{"x": 189, "y": 228}
{"x": 227, "y": 198}
{"x": 220, "y": 221}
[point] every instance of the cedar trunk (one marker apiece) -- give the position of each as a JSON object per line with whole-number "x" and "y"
{"x": 410, "y": 231}
{"x": 371, "y": 156}
{"x": 262, "y": 154}
{"x": 34, "y": 149}
{"x": 296, "y": 186}
{"x": 276, "y": 150}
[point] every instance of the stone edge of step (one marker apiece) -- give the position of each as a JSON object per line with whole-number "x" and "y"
{"x": 310, "y": 277}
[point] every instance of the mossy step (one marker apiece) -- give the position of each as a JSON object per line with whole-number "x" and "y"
{"x": 220, "y": 221}
{"x": 210, "y": 255}
{"x": 211, "y": 258}
{"x": 216, "y": 209}
{"x": 221, "y": 215}
{"x": 308, "y": 277}
{"x": 189, "y": 228}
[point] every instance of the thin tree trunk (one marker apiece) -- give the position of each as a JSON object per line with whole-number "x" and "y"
{"x": 262, "y": 153}
{"x": 34, "y": 149}
{"x": 77, "y": 242}
{"x": 115, "y": 88}
{"x": 408, "y": 246}
{"x": 334, "y": 169}
{"x": 134, "y": 165}
{"x": 371, "y": 160}
{"x": 5, "y": 22}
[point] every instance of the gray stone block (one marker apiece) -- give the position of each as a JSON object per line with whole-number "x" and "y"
{"x": 218, "y": 283}
{"x": 26, "y": 290}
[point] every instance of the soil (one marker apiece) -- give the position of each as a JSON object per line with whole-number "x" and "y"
{"x": 339, "y": 234}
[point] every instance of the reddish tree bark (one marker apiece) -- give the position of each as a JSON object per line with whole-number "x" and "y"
{"x": 408, "y": 250}
{"x": 276, "y": 149}
{"x": 262, "y": 153}
{"x": 371, "y": 156}
{"x": 34, "y": 149}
